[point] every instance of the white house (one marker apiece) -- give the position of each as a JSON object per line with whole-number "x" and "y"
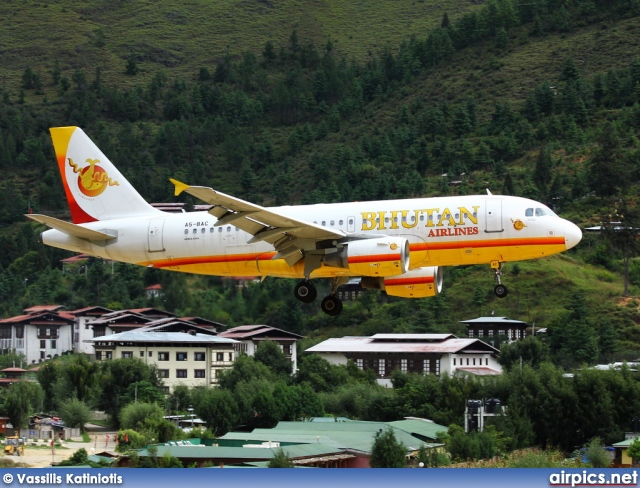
{"x": 182, "y": 358}
{"x": 412, "y": 353}
{"x": 82, "y": 329}
{"x": 41, "y": 333}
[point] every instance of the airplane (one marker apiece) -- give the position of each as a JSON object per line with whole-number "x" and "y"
{"x": 398, "y": 246}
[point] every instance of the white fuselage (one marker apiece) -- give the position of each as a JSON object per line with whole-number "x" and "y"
{"x": 444, "y": 231}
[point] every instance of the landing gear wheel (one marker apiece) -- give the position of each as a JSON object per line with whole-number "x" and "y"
{"x": 331, "y": 305}
{"x": 305, "y": 291}
{"x": 501, "y": 291}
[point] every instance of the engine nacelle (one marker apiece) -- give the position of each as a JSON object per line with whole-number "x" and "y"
{"x": 417, "y": 283}
{"x": 383, "y": 256}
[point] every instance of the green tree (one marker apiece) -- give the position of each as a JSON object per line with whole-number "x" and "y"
{"x": 633, "y": 451}
{"x": 75, "y": 413}
{"x": 596, "y": 454}
{"x": 218, "y": 408}
{"x": 387, "y": 451}
{"x": 21, "y": 400}
{"x": 270, "y": 354}
{"x": 280, "y": 460}
{"x": 133, "y": 415}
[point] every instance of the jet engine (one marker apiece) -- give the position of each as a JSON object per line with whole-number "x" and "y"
{"x": 417, "y": 283}
{"x": 383, "y": 256}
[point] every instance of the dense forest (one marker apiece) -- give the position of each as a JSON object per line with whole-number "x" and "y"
{"x": 539, "y": 99}
{"x": 301, "y": 121}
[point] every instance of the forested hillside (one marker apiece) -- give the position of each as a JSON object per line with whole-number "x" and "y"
{"x": 401, "y": 99}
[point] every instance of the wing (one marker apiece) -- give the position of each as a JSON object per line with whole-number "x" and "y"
{"x": 289, "y": 236}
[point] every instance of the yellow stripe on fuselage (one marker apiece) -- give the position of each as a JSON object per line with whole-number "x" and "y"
{"x": 443, "y": 253}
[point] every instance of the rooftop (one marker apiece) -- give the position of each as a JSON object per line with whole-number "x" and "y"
{"x": 169, "y": 337}
{"x": 368, "y": 344}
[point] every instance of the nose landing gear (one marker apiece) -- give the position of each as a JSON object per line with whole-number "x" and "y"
{"x": 500, "y": 290}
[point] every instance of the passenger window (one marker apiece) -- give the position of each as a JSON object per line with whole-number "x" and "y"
{"x": 324, "y": 223}
{"x": 219, "y": 229}
{"x": 202, "y": 231}
{"x": 341, "y": 222}
{"x": 528, "y": 212}
{"x": 186, "y": 231}
{"x": 350, "y": 221}
{"x": 333, "y": 222}
{"x": 211, "y": 229}
{"x": 195, "y": 231}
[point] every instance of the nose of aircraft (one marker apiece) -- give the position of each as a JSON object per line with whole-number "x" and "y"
{"x": 572, "y": 234}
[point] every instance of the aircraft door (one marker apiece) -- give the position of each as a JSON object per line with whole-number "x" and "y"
{"x": 351, "y": 224}
{"x": 493, "y": 215}
{"x": 155, "y": 235}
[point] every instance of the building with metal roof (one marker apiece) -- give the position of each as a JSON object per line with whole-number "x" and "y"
{"x": 411, "y": 353}
{"x": 350, "y": 436}
{"x": 492, "y": 329}
{"x": 181, "y": 358}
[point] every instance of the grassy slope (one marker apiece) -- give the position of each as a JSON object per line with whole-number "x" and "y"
{"x": 181, "y": 37}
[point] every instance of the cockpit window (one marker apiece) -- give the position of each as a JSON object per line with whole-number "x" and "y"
{"x": 540, "y": 212}
{"x": 528, "y": 212}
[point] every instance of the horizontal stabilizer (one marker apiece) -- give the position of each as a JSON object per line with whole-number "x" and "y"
{"x": 71, "y": 229}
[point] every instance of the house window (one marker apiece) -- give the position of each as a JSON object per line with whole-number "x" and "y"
{"x": 108, "y": 355}
{"x": 127, "y": 354}
{"x": 426, "y": 366}
{"x": 163, "y": 356}
{"x": 467, "y": 361}
{"x": 43, "y": 344}
{"x": 381, "y": 369}
{"x": 359, "y": 364}
{"x": 470, "y": 332}
{"x": 181, "y": 373}
{"x": 53, "y": 343}
{"x": 198, "y": 356}
{"x": 286, "y": 349}
{"x": 99, "y": 355}
{"x": 181, "y": 356}
{"x": 230, "y": 356}
{"x": 490, "y": 332}
{"x": 141, "y": 354}
{"x": 474, "y": 361}
{"x": 403, "y": 365}
{"x": 486, "y": 361}
{"x": 198, "y": 373}
{"x": 41, "y": 354}
{"x": 480, "y": 333}
{"x": 163, "y": 373}
{"x": 150, "y": 354}
{"x": 219, "y": 356}
{"x": 454, "y": 361}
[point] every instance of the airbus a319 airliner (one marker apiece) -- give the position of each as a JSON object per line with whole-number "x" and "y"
{"x": 398, "y": 246}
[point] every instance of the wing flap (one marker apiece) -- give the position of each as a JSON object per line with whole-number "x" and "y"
{"x": 73, "y": 229}
{"x": 262, "y": 223}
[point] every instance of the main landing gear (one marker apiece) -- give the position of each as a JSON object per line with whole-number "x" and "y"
{"x": 306, "y": 292}
{"x": 500, "y": 290}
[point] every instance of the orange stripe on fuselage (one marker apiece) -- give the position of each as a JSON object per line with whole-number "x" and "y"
{"x": 438, "y": 246}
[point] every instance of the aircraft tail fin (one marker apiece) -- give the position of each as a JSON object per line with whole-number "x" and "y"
{"x": 94, "y": 187}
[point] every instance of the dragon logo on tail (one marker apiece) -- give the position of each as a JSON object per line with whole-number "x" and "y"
{"x": 92, "y": 179}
